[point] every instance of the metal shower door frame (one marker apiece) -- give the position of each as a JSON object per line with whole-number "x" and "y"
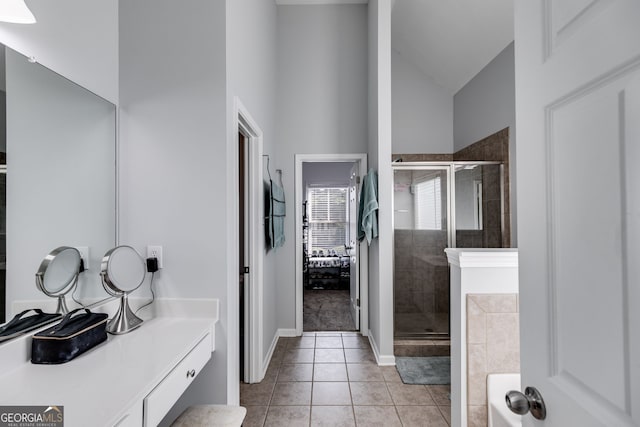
{"x": 449, "y": 167}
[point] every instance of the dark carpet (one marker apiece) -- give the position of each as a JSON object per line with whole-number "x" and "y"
{"x": 327, "y": 310}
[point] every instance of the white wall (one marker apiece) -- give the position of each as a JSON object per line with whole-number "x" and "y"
{"x": 381, "y": 249}
{"x": 422, "y": 110}
{"x": 172, "y": 164}
{"x": 75, "y": 38}
{"x": 486, "y": 105}
{"x": 322, "y": 105}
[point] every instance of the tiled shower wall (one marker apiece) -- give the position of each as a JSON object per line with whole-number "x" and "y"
{"x": 493, "y": 346}
{"x": 421, "y": 282}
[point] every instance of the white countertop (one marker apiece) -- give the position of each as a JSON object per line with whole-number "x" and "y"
{"x": 483, "y": 257}
{"x": 98, "y": 387}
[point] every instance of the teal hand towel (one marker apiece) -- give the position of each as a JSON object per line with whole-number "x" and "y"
{"x": 368, "y": 208}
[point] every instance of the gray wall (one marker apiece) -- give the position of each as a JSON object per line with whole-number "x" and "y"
{"x": 326, "y": 173}
{"x": 322, "y": 105}
{"x": 178, "y": 126}
{"x": 172, "y": 173}
{"x": 251, "y": 77}
{"x": 75, "y": 38}
{"x": 486, "y": 105}
{"x": 380, "y": 269}
{"x": 422, "y": 111}
{"x": 374, "y": 49}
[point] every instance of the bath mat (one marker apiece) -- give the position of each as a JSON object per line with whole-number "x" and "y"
{"x": 433, "y": 370}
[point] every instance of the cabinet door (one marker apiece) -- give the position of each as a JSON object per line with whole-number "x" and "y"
{"x": 167, "y": 393}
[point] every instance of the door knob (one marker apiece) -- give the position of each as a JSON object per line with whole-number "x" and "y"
{"x": 530, "y": 401}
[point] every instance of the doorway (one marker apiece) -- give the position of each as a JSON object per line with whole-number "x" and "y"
{"x": 243, "y": 261}
{"x": 328, "y": 233}
{"x": 246, "y": 290}
{"x": 331, "y": 277}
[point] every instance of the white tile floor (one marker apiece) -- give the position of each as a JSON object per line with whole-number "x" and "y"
{"x": 332, "y": 379}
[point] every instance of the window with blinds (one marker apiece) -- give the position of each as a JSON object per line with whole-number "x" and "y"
{"x": 427, "y": 199}
{"x": 328, "y": 217}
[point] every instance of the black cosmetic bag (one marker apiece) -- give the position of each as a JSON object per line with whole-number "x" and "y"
{"x": 74, "y": 335}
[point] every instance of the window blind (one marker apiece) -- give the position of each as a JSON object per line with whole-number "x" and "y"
{"x": 428, "y": 204}
{"x": 328, "y": 221}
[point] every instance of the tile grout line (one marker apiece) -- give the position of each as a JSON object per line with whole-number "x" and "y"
{"x": 313, "y": 368}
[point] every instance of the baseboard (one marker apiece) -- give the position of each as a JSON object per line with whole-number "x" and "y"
{"x": 267, "y": 359}
{"x": 272, "y": 348}
{"x": 383, "y": 360}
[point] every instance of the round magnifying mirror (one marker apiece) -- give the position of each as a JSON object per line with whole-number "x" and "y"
{"x": 58, "y": 274}
{"x": 122, "y": 271}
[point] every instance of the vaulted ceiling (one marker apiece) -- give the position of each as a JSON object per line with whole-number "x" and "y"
{"x": 451, "y": 40}
{"x": 448, "y": 40}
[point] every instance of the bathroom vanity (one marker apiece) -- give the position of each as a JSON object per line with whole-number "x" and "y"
{"x": 130, "y": 380}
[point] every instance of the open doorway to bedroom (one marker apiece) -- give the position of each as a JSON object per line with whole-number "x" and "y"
{"x": 329, "y": 255}
{"x": 327, "y": 245}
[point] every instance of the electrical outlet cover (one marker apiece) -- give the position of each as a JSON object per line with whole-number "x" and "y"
{"x": 155, "y": 252}
{"x": 84, "y": 254}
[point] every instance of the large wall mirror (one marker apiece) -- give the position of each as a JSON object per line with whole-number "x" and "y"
{"x": 57, "y": 178}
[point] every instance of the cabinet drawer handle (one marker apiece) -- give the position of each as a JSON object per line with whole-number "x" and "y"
{"x": 191, "y": 373}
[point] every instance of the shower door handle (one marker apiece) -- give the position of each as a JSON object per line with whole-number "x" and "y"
{"x": 530, "y": 401}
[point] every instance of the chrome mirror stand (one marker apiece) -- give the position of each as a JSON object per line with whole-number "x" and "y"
{"x": 125, "y": 319}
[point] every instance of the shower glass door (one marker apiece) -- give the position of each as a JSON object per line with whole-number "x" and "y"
{"x": 421, "y": 233}
{"x": 436, "y": 206}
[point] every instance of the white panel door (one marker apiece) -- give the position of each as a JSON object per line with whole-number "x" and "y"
{"x": 578, "y": 157}
{"x": 354, "y": 272}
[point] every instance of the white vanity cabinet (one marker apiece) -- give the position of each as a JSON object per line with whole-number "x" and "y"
{"x": 164, "y": 395}
{"x": 130, "y": 380}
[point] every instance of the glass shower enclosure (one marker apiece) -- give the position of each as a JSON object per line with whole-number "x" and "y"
{"x": 438, "y": 206}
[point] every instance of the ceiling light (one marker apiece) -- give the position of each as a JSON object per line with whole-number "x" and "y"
{"x": 16, "y": 11}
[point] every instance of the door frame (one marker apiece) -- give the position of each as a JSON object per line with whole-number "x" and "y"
{"x": 363, "y": 253}
{"x": 254, "y": 333}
